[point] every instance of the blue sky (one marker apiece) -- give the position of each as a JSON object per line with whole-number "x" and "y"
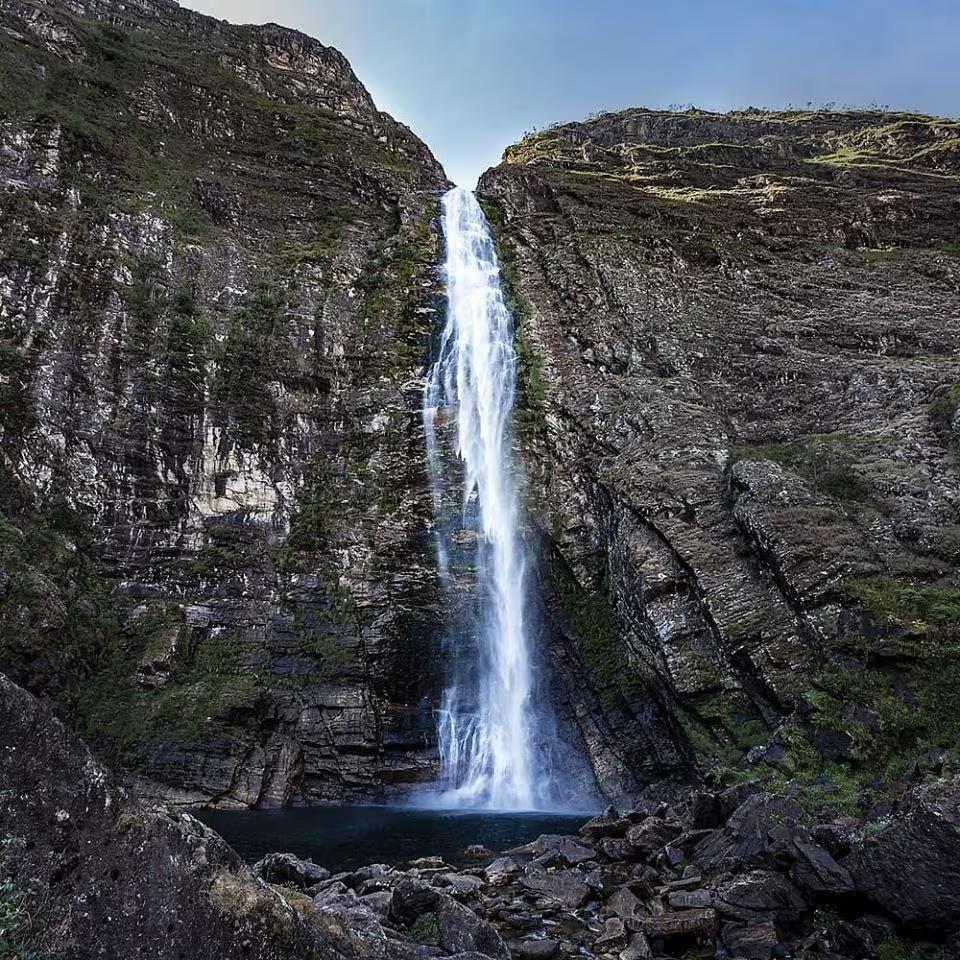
{"x": 470, "y": 76}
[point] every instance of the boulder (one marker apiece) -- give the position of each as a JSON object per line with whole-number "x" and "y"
{"x": 462, "y": 931}
{"x": 378, "y": 903}
{"x": 693, "y": 925}
{"x": 566, "y": 887}
{"x": 746, "y": 836}
{"x": 501, "y": 869}
{"x": 290, "y": 871}
{"x": 911, "y": 868}
{"x": 545, "y": 949}
{"x": 689, "y": 899}
{"x": 758, "y": 897}
{"x": 608, "y": 824}
{"x": 613, "y": 938}
{"x": 706, "y": 811}
{"x": 411, "y": 899}
{"x": 463, "y": 886}
{"x": 623, "y": 903}
{"x": 651, "y": 835}
{"x": 817, "y": 873}
{"x": 615, "y": 849}
{"x": 638, "y": 948}
{"x": 115, "y": 878}
{"x": 755, "y": 941}
{"x": 567, "y": 848}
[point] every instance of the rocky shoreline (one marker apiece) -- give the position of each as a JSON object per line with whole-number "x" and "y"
{"x": 739, "y": 873}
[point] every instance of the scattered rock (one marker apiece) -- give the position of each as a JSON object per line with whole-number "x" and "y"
{"x": 613, "y": 938}
{"x": 567, "y": 887}
{"x": 699, "y": 925}
{"x": 501, "y": 869}
{"x": 624, "y": 903}
{"x": 911, "y": 868}
{"x": 477, "y": 850}
{"x": 760, "y": 896}
{"x": 638, "y": 948}
{"x": 816, "y": 872}
{"x": 755, "y": 941}
{"x": 462, "y": 931}
{"x": 569, "y": 848}
{"x": 290, "y": 871}
{"x": 745, "y": 838}
{"x": 537, "y": 949}
{"x": 651, "y": 835}
{"x": 689, "y": 899}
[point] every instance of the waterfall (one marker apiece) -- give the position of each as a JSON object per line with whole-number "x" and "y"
{"x": 490, "y": 726}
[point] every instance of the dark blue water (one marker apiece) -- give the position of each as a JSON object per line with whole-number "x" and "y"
{"x": 344, "y": 838}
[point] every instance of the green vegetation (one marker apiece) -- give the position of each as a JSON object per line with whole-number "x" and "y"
{"x": 23, "y": 928}
{"x": 923, "y": 608}
{"x": 121, "y": 717}
{"x": 943, "y": 413}
{"x": 56, "y": 612}
{"x": 896, "y": 948}
{"x": 532, "y": 386}
{"x": 593, "y": 623}
{"x": 826, "y": 460}
{"x": 425, "y": 930}
{"x": 250, "y": 360}
{"x": 893, "y": 697}
{"x": 721, "y": 730}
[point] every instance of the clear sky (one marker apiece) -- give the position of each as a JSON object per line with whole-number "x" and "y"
{"x": 470, "y": 76}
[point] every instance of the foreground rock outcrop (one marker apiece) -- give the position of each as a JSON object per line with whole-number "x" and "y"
{"x": 738, "y": 338}
{"x": 96, "y": 874}
{"x": 86, "y": 871}
{"x": 217, "y": 290}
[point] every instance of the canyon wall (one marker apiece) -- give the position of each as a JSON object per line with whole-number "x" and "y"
{"x": 217, "y": 289}
{"x": 739, "y": 343}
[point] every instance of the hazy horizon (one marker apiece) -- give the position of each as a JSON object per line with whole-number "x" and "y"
{"x": 471, "y": 76}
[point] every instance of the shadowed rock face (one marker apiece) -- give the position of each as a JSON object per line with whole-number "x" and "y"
{"x": 217, "y": 288}
{"x": 103, "y": 876}
{"x": 739, "y": 337}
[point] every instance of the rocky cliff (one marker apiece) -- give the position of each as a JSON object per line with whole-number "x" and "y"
{"x": 217, "y": 289}
{"x": 740, "y": 388}
{"x": 739, "y": 337}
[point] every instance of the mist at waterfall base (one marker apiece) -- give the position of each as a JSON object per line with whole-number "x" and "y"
{"x": 496, "y": 731}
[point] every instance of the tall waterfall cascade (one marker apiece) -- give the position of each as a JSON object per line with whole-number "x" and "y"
{"x": 493, "y": 729}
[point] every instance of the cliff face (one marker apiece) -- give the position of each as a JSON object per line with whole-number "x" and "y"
{"x": 217, "y": 288}
{"x": 740, "y": 389}
{"x": 739, "y": 338}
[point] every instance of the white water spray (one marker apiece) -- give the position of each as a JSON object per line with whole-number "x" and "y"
{"x": 488, "y": 725}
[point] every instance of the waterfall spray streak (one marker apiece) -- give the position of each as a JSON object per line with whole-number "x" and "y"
{"x": 486, "y": 725}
